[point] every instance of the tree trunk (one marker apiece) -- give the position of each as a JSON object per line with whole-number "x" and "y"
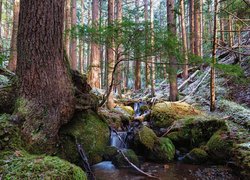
{"x": 147, "y": 68}
{"x": 230, "y": 28}
{"x": 197, "y": 28}
{"x": 172, "y": 60}
{"x": 46, "y": 98}
{"x": 1, "y": 5}
{"x": 67, "y": 26}
{"x": 184, "y": 39}
{"x": 191, "y": 17}
{"x": 152, "y": 44}
{"x": 94, "y": 73}
{"x": 111, "y": 54}
{"x": 81, "y": 41}
{"x": 137, "y": 54}
{"x": 73, "y": 42}
{"x": 212, "y": 79}
{"x": 13, "y": 52}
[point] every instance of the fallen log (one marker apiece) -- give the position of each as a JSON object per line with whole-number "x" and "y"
{"x": 187, "y": 80}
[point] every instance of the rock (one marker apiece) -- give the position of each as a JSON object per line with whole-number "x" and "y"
{"x": 220, "y": 146}
{"x": 196, "y": 156}
{"x": 164, "y": 114}
{"x": 109, "y": 153}
{"x": 128, "y": 109}
{"x": 144, "y": 109}
{"x": 120, "y": 162}
{"x": 87, "y": 129}
{"x": 21, "y": 165}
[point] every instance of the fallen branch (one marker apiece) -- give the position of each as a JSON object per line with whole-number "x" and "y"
{"x": 187, "y": 80}
{"x": 169, "y": 129}
{"x": 136, "y": 168}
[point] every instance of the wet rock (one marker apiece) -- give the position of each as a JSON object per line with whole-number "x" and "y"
{"x": 87, "y": 129}
{"x": 109, "y": 153}
{"x": 196, "y": 156}
{"x": 120, "y": 162}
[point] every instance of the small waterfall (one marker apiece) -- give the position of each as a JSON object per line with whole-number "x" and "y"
{"x": 137, "y": 110}
{"x": 118, "y": 139}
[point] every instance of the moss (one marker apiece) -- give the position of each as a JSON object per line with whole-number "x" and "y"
{"x": 196, "y": 156}
{"x": 128, "y": 109}
{"x": 88, "y": 129}
{"x": 110, "y": 153}
{"x": 163, "y": 151}
{"x": 164, "y": 114}
{"x": 9, "y": 134}
{"x": 220, "y": 146}
{"x": 21, "y": 165}
{"x": 119, "y": 161}
{"x": 144, "y": 108}
{"x": 21, "y": 108}
{"x": 147, "y": 137}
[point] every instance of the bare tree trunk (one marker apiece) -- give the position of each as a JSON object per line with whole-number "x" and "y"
{"x": 45, "y": 89}
{"x": 81, "y": 41}
{"x": 184, "y": 39}
{"x": 212, "y": 80}
{"x": 137, "y": 54}
{"x": 147, "y": 68}
{"x": 230, "y": 28}
{"x": 197, "y": 27}
{"x": 94, "y": 73}
{"x": 152, "y": 43}
{"x": 111, "y": 55}
{"x": 201, "y": 27}
{"x": 1, "y": 5}
{"x": 222, "y": 34}
{"x": 172, "y": 60}
{"x": 88, "y": 46}
{"x": 73, "y": 42}
{"x": 13, "y": 52}
{"x": 191, "y": 17}
{"x": 67, "y": 26}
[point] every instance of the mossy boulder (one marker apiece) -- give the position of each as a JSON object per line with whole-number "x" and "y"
{"x": 196, "y": 156}
{"x": 87, "y": 129}
{"x": 109, "y": 153}
{"x": 21, "y": 165}
{"x": 128, "y": 109}
{"x": 163, "y": 151}
{"x": 119, "y": 161}
{"x": 220, "y": 146}
{"x": 10, "y": 138}
{"x": 144, "y": 108}
{"x": 164, "y": 114}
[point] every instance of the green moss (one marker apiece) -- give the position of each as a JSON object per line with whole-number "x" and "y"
{"x": 10, "y": 137}
{"x": 220, "y": 146}
{"x": 21, "y": 108}
{"x": 144, "y": 108}
{"x": 128, "y": 109}
{"x": 21, "y": 165}
{"x": 147, "y": 137}
{"x": 196, "y": 156}
{"x": 110, "y": 153}
{"x": 119, "y": 161}
{"x": 89, "y": 130}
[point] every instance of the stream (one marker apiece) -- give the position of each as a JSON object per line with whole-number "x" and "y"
{"x": 170, "y": 171}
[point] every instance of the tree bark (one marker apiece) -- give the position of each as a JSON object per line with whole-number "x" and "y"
{"x": 230, "y": 28}
{"x": 73, "y": 42}
{"x": 94, "y": 73}
{"x": 197, "y": 28}
{"x": 67, "y": 26}
{"x": 81, "y": 41}
{"x": 111, "y": 54}
{"x": 172, "y": 60}
{"x": 147, "y": 68}
{"x": 46, "y": 97}
{"x": 1, "y": 5}
{"x": 13, "y": 52}
{"x": 184, "y": 39}
{"x": 152, "y": 44}
{"x": 191, "y": 21}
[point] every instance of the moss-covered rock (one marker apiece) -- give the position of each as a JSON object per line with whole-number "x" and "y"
{"x": 10, "y": 138}
{"x": 164, "y": 114}
{"x": 163, "y": 151}
{"x": 7, "y": 99}
{"x": 109, "y": 153}
{"x": 21, "y": 165}
{"x": 87, "y": 129}
{"x": 128, "y": 109}
{"x": 196, "y": 156}
{"x": 146, "y": 137}
{"x": 120, "y": 162}
{"x": 220, "y": 146}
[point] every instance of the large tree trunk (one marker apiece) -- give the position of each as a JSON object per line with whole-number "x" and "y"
{"x": 73, "y": 43}
{"x": 184, "y": 39}
{"x": 152, "y": 44}
{"x": 147, "y": 68}
{"x": 94, "y": 73}
{"x": 172, "y": 60}
{"x": 111, "y": 55}
{"x": 1, "y": 5}
{"x": 13, "y": 52}
{"x": 46, "y": 97}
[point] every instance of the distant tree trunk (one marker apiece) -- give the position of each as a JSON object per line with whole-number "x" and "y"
{"x": 1, "y": 5}
{"x": 94, "y": 73}
{"x": 152, "y": 44}
{"x": 184, "y": 39}
{"x": 46, "y": 98}
{"x": 201, "y": 27}
{"x": 191, "y": 17}
{"x": 137, "y": 54}
{"x": 111, "y": 55}
{"x": 13, "y": 52}
{"x": 147, "y": 68}
{"x": 222, "y": 35}
{"x": 67, "y": 26}
{"x": 230, "y": 28}
{"x": 172, "y": 60}
{"x": 73, "y": 42}
{"x": 212, "y": 79}
{"x": 81, "y": 41}
{"x": 197, "y": 28}
{"x": 120, "y": 67}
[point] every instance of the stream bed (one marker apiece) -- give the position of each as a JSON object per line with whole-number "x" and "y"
{"x": 172, "y": 171}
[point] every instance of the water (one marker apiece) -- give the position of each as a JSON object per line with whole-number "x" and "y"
{"x": 137, "y": 107}
{"x": 172, "y": 171}
{"x": 118, "y": 139}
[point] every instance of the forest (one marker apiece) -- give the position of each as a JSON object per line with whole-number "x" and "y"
{"x": 125, "y": 89}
